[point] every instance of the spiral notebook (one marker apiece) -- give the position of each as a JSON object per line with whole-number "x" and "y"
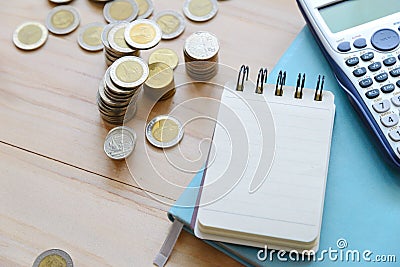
{"x": 265, "y": 181}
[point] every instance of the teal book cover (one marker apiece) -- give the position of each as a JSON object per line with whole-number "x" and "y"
{"x": 361, "y": 216}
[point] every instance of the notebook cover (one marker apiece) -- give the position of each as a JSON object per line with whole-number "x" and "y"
{"x": 362, "y": 200}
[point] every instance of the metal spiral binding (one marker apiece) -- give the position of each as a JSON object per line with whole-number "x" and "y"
{"x": 243, "y": 74}
{"x": 300, "y": 86}
{"x": 261, "y": 80}
{"x": 280, "y": 82}
{"x": 319, "y": 88}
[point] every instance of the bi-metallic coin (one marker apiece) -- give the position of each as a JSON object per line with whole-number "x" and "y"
{"x": 30, "y": 35}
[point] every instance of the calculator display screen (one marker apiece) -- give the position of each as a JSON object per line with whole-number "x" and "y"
{"x": 343, "y": 15}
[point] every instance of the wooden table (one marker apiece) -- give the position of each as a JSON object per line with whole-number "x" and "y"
{"x": 57, "y": 187}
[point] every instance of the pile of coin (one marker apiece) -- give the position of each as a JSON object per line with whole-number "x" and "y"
{"x": 114, "y": 43}
{"x": 160, "y": 85}
{"x": 201, "y": 55}
{"x": 120, "y": 88}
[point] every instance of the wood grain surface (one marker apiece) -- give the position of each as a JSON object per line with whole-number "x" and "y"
{"x": 58, "y": 189}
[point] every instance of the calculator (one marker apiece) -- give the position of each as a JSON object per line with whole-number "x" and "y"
{"x": 360, "y": 39}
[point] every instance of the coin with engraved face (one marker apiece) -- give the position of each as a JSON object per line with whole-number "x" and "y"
{"x": 164, "y": 131}
{"x": 146, "y": 8}
{"x": 53, "y": 258}
{"x": 89, "y": 37}
{"x": 164, "y": 55}
{"x": 62, "y": 20}
{"x": 142, "y": 34}
{"x": 129, "y": 72}
{"x": 120, "y": 143}
{"x": 200, "y": 10}
{"x": 171, "y": 23}
{"x": 121, "y": 11}
{"x": 30, "y": 35}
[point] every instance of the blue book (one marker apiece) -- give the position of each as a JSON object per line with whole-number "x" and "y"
{"x": 362, "y": 201}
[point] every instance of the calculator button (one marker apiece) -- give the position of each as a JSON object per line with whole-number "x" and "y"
{"x": 385, "y": 39}
{"x": 366, "y": 83}
{"x": 388, "y": 88}
{"x": 367, "y": 56}
{"x": 381, "y": 77}
{"x": 360, "y": 43}
{"x": 372, "y": 94}
{"x": 352, "y": 61}
{"x": 390, "y": 120}
{"x": 395, "y": 135}
{"x": 396, "y": 100}
{"x": 375, "y": 66}
{"x": 389, "y": 61}
{"x": 395, "y": 72}
{"x": 381, "y": 107}
{"x": 344, "y": 47}
{"x": 359, "y": 72}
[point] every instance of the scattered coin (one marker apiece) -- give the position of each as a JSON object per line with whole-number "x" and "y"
{"x": 89, "y": 37}
{"x": 30, "y": 35}
{"x": 164, "y": 131}
{"x": 129, "y": 72}
{"x": 146, "y": 8}
{"x": 160, "y": 84}
{"x": 120, "y": 143}
{"x": 62, "y": 20}
{"x": 53, "y": 257}
{"x": 201, "y": 55}
{"x": 165, "y": 55}
{"x": 171, "y": 23}
{"x": 200, "y": 10}
{"x": 60, "y": 1}
{"x": 142, "y": 34}
{"x": 121, "y": 11}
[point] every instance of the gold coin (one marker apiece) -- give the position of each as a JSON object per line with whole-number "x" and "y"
{"x": 200, "y": 10}
{"x": 129, "y": 72}
{"x": 142, "y": 34}
{"x": 171, "y": 23}
{"x": 30, "y": 35}
{"x": 145, "y": 8}
{"x": 53, "y": 258}
{"x": 121, "y": 11}
{"x": 89, "y": 37}
{"x": 116, "y": 38}
{"x": 160, "y": 75}
{"x": 53, "y": 261}
{"x": 165, "y": 55}
{"x": 62, "y": 20}
{"x": 164, "y": 131}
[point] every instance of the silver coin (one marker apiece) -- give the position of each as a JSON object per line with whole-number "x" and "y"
{"x": 129, "y": 72}
{"x": 143, "y": 34}
{"x": 89, "y": 37}
{"x": 62, "y": 20}
{"x": 120, "y": 11}
{"x": 164, "y": 131}
{"x": 53, "y": 257}
{"x": 171, "y": 23}
{"x": 146, "y": 8}
{"x": 116, "y": 38}
{"x": 200, "y": 10}
{"x": 120, "y": 143}
{"x": 201, "y": 45}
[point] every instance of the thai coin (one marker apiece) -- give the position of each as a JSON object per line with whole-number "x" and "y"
{"x": 146, "y": 8}
{"x": 164, "y": 55}
{"x": 53, "y": 257}
{"x": 30, "y": 35}
{"x": 120, "y": 11}
{"x": 89, "y": 37}
{"x": 200, "y": 10}
{"x": 62, "y": 20}
{"x": 129, "y": 72}
{"x": 164, "y": 131}
{"x": 142, "y": 34}
{"x": 120, "y": 143}
{"x": 171, "y": 23}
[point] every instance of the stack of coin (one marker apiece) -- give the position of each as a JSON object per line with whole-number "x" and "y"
{"x": 201, "y": 55}
{"x": 114, "y": 43}
{"x": 120, "y": 88}
{"x": 160, "y": 85}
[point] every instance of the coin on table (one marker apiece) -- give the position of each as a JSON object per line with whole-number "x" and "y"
{"x": 171, "y": 23}
{"x": 121, "y": 11}
{"x": 164, "y": 55}
{"x": 160, "y": 75}
{"x": 53, "y": 257}
{"x": 120, "y": 142}
{"x": 142, "y": 34}
{"x": 30, "y": 35}
{"x": 201, "y": 45}
{"x": 146, "y": 8}
{"x": 62, "y": 20}
{"x": 200, "y": 10}
{"x": 89, "y": 37}
{"x": 164, "y": 131}
{"x": 60, "y": 1}
{"x": 129, "y": 72}
{"x": 116, "y": 38}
